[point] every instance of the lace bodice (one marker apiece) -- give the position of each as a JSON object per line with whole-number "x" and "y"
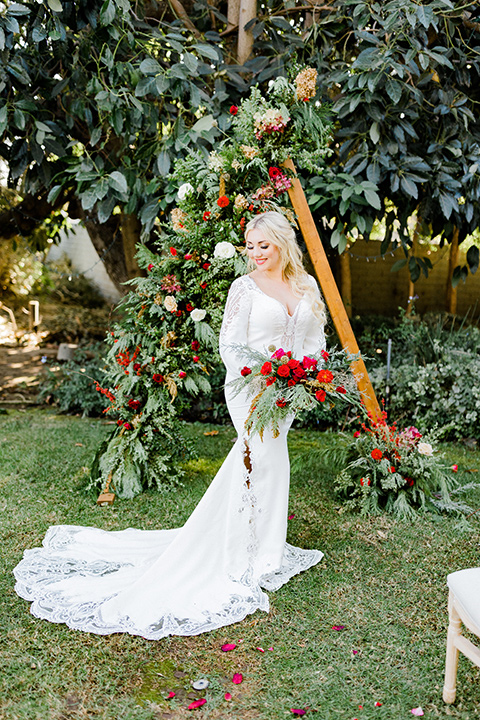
{"x": 258, "y": 320}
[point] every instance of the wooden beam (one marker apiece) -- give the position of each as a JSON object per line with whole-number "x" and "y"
{"x": 330, "y": 291}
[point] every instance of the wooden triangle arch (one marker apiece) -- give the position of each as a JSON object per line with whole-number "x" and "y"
{"x": 330, "y": 290}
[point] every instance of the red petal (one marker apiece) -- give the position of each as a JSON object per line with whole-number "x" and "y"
{"x": 197, "y": 703}
{"x": 338, "y": 627}
{"x": 261, "y": 649}
{"x": 237, "y": 678}
{"x": 171, "y": 695}
{"x": 298, "y": 711}
{"x": 228, "y": 646}
{"x": 290, "y": 517}
{"x": 228, "y": 696}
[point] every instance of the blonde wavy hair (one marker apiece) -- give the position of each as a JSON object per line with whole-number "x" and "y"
{"x": 277, "y": 230}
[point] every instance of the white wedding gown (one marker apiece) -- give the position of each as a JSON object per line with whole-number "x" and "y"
{"x": 210, "y": 572}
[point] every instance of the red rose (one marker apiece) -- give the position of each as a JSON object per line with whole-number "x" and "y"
{"x": 266, "y": 368}
{"x": 271, "y": 380}
{"x": 134, "y": 404}
{"x": 409, "y": 482}
{"x": 341, "y": 389}
{"x": 281, "y": 403}
{"x": 245, "y": 371}
{"x": 189, "y": 307}
{"x": 157, "y": 378}
{"x": 299, "y": 372}
{"x": 292, "y": 363}
{"x": 361, "y": 481}
{"x": 321, "y": 395}
{"x": 376, "y": 454}
{"x": 182, "y": 374}
{"x": 173, "y": 251}
{"x": 119, "y": 422}
{"x": 150, "y": 267}
{"x": 325, "y": 355}
{"x": 178, "y": 313}
{"x": 291, "y": 382}
{"x": 206, "y": 265}
{"x": 188, "y": 256}
{"x": 283, "y": 371}
{"x": 325, "y": 376}
{"x": 136, "y": 366}
{"x": 223, "y": 201}
{"x": 233, "y": 110}
{"x": 206, "y": 215}
{"x": 308, "y": 362}
{"x": 203, "y": 285}
{"x": 195, "y": 345}
{"x": 356, "y": 434}
{"x": 392, "y": 468}
{"x": 127, "y": 426}
{"x": 274, "y": 172}
{"x": 196, "y": 358}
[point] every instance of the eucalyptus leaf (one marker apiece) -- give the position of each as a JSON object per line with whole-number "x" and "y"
{"x": 55, "y": 5}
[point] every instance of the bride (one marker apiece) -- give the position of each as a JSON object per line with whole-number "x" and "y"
{"x": 212, "y": 571}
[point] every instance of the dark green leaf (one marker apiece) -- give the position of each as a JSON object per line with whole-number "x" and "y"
{"x": 163, "y": 163}
{"x": 18, "y": 9}
{"x": 118, "y": 181}
{"x": 394, "y": 90}
{"x": 150, "y": 66}
{"x": 473, "y": 258}
{"x": 399, "y": 265}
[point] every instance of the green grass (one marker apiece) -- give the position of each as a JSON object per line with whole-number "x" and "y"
{"x": 382, "y": 579}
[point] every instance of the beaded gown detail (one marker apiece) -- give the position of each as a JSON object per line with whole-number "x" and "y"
{"x": 214, "y": 570}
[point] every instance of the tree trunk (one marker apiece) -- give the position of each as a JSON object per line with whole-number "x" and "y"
{"x": 346, "y": 282}
{"x": 411, "y": 285}
{"x": 233, "y": 14}
{"x": 452, "y": 264}
{"x": 248, "y": 10}
{"x": 131, "y": 229}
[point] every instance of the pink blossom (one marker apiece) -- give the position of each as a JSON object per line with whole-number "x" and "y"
{"x": 455, "y": 468}
{"x": 228, "y": 696}
{"x": 278, "y": 354}
{"x": 237, "y": 678}
{"x": 171, "y": 695}
{"x": 338, "y": 627}
{"x": 418, "y": 712}
{"x": 228, "y": 646}
{"x": 290, "y": 517}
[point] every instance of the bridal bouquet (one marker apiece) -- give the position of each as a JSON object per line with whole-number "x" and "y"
{"x": 280, "y": 385}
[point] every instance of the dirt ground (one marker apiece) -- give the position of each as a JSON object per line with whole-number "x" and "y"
{"x": 19, "y": 371}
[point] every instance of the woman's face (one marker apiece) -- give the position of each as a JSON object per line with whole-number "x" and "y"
{"x": 262, "y": 252}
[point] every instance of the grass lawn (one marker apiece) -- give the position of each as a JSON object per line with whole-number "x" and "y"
{"x": 381, "y": 579}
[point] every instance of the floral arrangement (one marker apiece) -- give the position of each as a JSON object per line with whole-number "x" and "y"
{"x": 281, "y": 385}
{"x": 164, "y": 351}
{"x": 386, "y": 469}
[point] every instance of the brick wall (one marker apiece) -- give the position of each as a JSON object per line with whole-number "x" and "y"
{"x": 376, "y": 290}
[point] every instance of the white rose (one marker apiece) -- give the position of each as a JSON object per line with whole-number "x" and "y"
{"x": 184, "y": 190}
{"x": 170, "y": 303}
{"x": 224, "y": 250}
{"x": 198, "y": 314}
{"x": 425, "y": 449}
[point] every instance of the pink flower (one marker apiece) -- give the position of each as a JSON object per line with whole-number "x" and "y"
{"x": 308, "y": 362}
{"x": 197, "y": 703}
{"x": 237, "y": 678}
{"x": 278, "y": 354}
{"x": 188, "y": 256}
{"x": 290, "y": 517}
{"x": 196, "y": 358}
{"x": 356, "y": 434}
{"x": 127, "y": 426}
{"x": 418, "y": 712}
{"x": 228, "y": 696}
{"x": 455, "y": 468}
{"x": 379, "y": 704}
{"x": 195, "y": 345}
{"x": 182, "y": 374}
{"x": 338, "y": 627}
{"x": 171, "y": 695}
{"x": 228, "y": 647}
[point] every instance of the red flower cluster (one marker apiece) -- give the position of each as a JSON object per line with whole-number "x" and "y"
{"x": 105, "y": 392}
{"x": 223, "y": 201}
{"x": 124, "y": 359}
{"x": 376, "y": 454}
{"x": 158, "y": 378}
{"x": 134, "y": 404}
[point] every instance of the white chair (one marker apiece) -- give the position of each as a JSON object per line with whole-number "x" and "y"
{"x": 463, "y": 607}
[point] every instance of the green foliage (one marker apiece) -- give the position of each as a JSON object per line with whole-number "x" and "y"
{"x": 387, "y": 470}
{"x": 71, "y": 386}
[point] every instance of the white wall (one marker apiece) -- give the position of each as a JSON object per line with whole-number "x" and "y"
{"x": 78, "y": 248}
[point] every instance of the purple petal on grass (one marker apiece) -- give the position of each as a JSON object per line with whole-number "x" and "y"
{"x": 338, "y": 627}
{"x": 298, "y": 711}
{"x": 355, "y": 652}
{"x": 237, "y": 678}
{"x": 197, "y": 703}
{"x": 228, "y": 646}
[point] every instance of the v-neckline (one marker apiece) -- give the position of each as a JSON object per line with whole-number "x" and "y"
{"x": 276, "y": 299}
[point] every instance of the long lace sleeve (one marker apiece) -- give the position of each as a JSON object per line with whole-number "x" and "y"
{"x": 314, "y": 339}
{"x": 235, "y": 325}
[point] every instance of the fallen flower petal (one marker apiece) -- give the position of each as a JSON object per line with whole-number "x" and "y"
{"x": 338, "y": 627}
{"x": 455, "y": 468}
{"x": 418, "y": 712}
{"x": 228, "y": 646}
{"x": 228, "y": 696}
{"x": 355, "y": 652}
{"x": 290, "y": 517}
{"x": 171, "y": 695}
{"x": 378, "y": 704}
{"x": 298, "y": 711}
{"x": 197, "y": 703}
{"x": 260, "y": 649}
{"x": 270, "y": 648}
{"x": 237, "y": 678}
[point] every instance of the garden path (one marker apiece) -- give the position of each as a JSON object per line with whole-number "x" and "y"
{"x": 19, "y": 369}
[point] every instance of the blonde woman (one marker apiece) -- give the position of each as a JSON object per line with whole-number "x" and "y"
{"x": 215, "y": 569}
